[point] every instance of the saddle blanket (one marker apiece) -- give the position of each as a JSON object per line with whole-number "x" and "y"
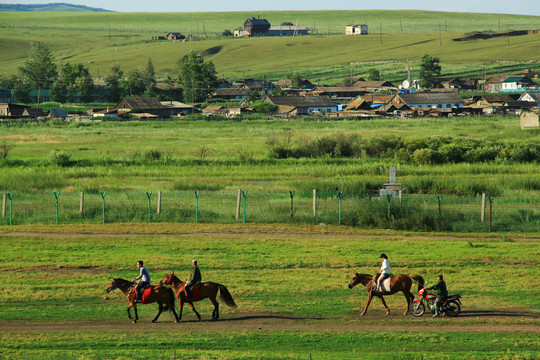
{"x": 195, "y": 292}
{"x": 385, "y": 284}
{"x": 146, "y": 294}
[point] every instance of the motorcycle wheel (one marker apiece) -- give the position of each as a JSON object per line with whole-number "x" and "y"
{"x": 452, "y": 308}
{"x": 417, "y": 308}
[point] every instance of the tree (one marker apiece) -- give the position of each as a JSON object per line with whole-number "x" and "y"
{"x": 8, "y": 82}
{"x": 262, "y": 106}
{"x": 196, "y": 76}
{"x": 430, "y": 70}
{"x": 227, "y": 32}
{"x": 374, "y": 75}
{"x": 296, "y": 80}
{"x": 39, "y": 71}
{"x": 252, "y": 97}
{"x": 149, "y": 78}
{"x": 74, "y": 83}
{"x": 21, "y": 92}
{"x": 113, "y": 80}
{"x": 136, "y": 83}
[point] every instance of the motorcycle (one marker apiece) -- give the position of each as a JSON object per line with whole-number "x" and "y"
{"x": 451, "y": 306}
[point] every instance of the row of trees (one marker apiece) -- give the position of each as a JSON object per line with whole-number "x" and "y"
{"x": 73, "y": 82}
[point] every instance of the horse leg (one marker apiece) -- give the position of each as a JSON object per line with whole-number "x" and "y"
{"x": 215, "y": 313}
{"x": 136, "y": 314}
{"x": 367, "y": 305}
{"x": 195, "y": 311}
{"x": 160, "y": 310}
{"x": 410, "y": 297}
{"x": 384, "y": 303}
{"x": 129, "y": 313}
{"x": 180, "y": 309}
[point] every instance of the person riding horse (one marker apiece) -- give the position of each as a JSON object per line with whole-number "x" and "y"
{"x": 194, "y": 279}
{"x": 145, "y": 281}
{"x": 385, "y": 272}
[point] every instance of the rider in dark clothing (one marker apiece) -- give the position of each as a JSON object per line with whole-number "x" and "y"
{"x": 442, "y": 294}
{"x": 194, "y": 279}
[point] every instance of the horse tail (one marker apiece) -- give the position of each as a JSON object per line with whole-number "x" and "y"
{"x": 418, "y": 279}
{"x": 226, "y": 296}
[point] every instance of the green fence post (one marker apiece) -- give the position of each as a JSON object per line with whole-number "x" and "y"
{"x": 244, "y": 194}
{"x": 439, "y": 200}
{"x": 340, "y": 195}
{"x": 103, "y": 194}
{"x": 149, "y": 195}
{"x": 56, "y": 195}
{"x": 389, "y": 198}
{"x": 197, "y": 192}
{"x": 10, "y": 196}
{"x": 490, "y": 212}
{"x": 292, "y": 204}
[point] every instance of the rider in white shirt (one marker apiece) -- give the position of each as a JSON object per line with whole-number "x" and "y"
{"x": 385, "y": 270}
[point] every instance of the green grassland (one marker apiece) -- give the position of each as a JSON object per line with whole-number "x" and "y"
{"x": 85, "y": 38}
{"x": 59, "y": 275}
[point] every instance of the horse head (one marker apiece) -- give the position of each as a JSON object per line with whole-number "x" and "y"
{"x": 113, "y": 285}
{"x": 354, "y": 281}
{"x": 169, "y": 280}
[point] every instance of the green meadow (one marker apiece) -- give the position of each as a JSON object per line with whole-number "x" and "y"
{"x": 57, "y": 277}
{"x": 396, "y": 37}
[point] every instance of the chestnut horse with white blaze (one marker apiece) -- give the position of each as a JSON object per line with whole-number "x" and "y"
{"x": 207, "y": 290}
{"x": 398, "y": 283}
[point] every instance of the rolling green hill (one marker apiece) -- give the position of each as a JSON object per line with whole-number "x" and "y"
{"x": 100, "y": 39}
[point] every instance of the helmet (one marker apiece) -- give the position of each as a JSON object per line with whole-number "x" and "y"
{"x": 383, "y": 255}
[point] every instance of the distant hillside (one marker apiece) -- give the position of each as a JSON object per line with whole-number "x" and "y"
{"x": 58, "y": 7}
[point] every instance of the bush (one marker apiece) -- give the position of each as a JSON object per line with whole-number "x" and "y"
{"x": 60, "y": 158}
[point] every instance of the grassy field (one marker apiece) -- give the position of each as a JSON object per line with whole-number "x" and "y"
{"x": 84, "y": 38}
{"x": 289, "y": 283}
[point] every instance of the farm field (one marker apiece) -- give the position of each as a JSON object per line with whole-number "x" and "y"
{"x": 290, "y": 284}
{"x": 327, "y": 57}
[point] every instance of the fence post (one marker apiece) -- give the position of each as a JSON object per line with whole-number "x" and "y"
{"x": 103, "y": 194}
{"x": 197, "y": 192}
{"x": 483, "y": 209}
{"x": 159, "y": 202}
{"x": 340, "y": 195}
{"x": 10, "y": 196}
{"x": 244, "y": 194}
{"x": 400, "y": 195}
{"x": 238, "y": 199}
{"x": 4, "y": 206}
{"x": 81, "y": 206}
{"x": 490, "y": 212}
{"x": 314, "y": 202}
{"x": 292, "y": 204}
{"x": 149, "y": 195}
{"x": 56, "y": 195}
{"x": 439, "y": 200}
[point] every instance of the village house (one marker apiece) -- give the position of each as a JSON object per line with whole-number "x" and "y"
{"x": 436, "y": 100}
{"x": 177, "y": 108}
{"x": 12, "y": 110}
{"x": 505, "y": 83}
{"x": 34, "y": 113}
{"x": 357, "y": 29}
{"x": 304, "y": 105}
{"x": 253, "y": 27}
{"x": 143, "y": 107}
{"x": 531, "y": 96}
{"x": 175, "y": 36}
{"x": 287, "y": 84}
{"x": 342, "y": 92}
{"x": 229, "y": 94}
{"x": 284, "y": 30}
{"x": 375, "y": 86}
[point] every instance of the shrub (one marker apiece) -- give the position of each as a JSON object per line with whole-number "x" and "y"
{"x": 60, "y": 158}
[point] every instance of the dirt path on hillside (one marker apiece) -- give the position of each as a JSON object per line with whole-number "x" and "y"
{"x": 487, "y": 321}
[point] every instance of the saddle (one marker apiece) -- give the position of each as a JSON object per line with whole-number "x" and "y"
{"x": 195, "y": 291}
{"x": 145, "y": 295}
{"x": 384, "y": 286}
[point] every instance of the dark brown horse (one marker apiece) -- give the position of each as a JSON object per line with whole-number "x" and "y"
{"x": 397, "y": 283}
{"x": 160, "y": 294}
{"x": 207, "y": 290}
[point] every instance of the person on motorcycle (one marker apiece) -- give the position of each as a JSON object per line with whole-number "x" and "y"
{"x": 385, "y": 272}
{"x": 442, "y": 294}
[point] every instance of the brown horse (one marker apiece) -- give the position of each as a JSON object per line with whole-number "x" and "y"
{"x": 160, "y": 294}
{"x": 397, "y": 283}
{"x": 207, "y": 290}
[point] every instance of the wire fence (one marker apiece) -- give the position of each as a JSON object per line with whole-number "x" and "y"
{"x": 407, "y": 212}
